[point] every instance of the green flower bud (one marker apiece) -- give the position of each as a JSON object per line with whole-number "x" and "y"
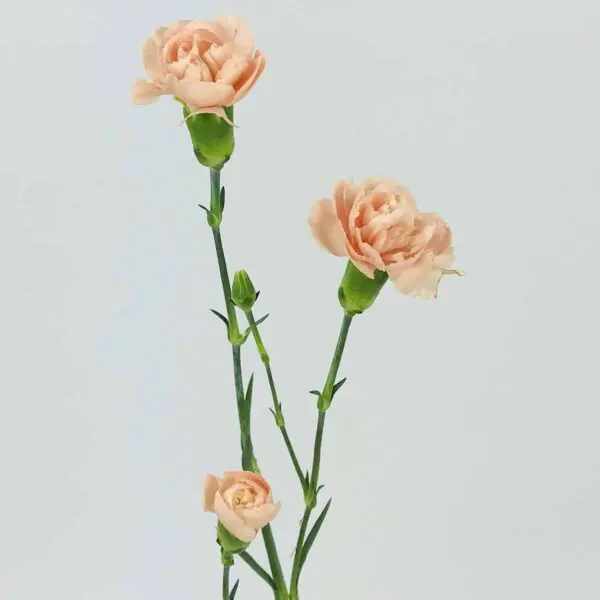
{"x": 243, "y": 294}
{"x": 212, "y": 137}
{"x": 228, "y": 542}
{"x": 357, "y": 292}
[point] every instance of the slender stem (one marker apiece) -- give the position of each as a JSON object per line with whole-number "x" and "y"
{"x": 251, "y": 562}
{"x": 290, "y": 448}
{"x": 225, "y": 283}
{"x": 248, "y": 459}
{"x": 327, "y": 395}
{"x": 276, "y": 403}
{"x": 324, "y": 402}
{"x": 226, "y": 582}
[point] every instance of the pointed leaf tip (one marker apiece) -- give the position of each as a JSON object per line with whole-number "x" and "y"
{"x": 234, "y": 590}
{"x": 338, "y": 385}
{"x": 262, "y": 319}
{"x": 222, "y": 317}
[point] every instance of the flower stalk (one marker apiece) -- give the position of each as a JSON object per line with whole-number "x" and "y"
{"x": 276, "y": 410}
{"x": 324, "y": 402}
{"x": 249, "y": 462}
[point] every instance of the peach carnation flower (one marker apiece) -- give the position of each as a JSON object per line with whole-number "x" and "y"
{"x": 378, "y": 226}
{"x": 207, "y": 65}
{"x": 242, "y": 501}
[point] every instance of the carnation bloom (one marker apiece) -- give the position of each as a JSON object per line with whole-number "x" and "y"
{"x": 206, "y": 65}
{"x": 242, "y": 501}
{"x": 378, "y": 226}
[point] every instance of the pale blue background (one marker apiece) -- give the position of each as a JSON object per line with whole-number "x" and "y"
{"x": 463, "y": 453}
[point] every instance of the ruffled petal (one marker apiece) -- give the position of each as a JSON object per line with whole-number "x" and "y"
{"x": 231, "y": 521}
{"x": 326, "y": 227}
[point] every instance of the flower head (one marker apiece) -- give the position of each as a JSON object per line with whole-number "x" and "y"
{"x": 378, "y": 226}
{"x": 206, "y": 65}
{"x": 242, "y": 501}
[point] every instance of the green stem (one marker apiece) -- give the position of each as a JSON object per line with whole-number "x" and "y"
{"x": 225, "y": 283}
{"x": 251, "y": 562}
{"x": 276, "y": 404}
{"x": 326, "y": 398}
{"x": 248, "y": 459}
{"x": 226, "y": 582}
{"x": 324, "y": 403}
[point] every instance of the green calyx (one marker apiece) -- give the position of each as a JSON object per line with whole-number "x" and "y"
{"x": 212, "y": 137}
{"x": 230, "y": 545}
{"x": 357, "y": 292}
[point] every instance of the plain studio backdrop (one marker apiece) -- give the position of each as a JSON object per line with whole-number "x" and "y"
{"x": 463, "y": 453}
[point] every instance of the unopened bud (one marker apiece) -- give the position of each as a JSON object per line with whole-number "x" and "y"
{"x": 243, "y": 294}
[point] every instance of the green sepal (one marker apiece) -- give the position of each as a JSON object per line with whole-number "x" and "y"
{"x": 230, "y": 545}
{"x": 212, "y": 137}
{"x": 357, "y": 292}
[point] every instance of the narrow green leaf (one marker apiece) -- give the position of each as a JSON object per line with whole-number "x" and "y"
{"x": 338, "y": 385}
{"x": 315, "y": 392}
{"x": 222, "y": 198}
{"x": 204, "y": 208}
{"x": 320, "y": 488}
{"x": 257, "y": 295}
{"x": 307, "y": 478}
{"x": 234, "y": 590}
{"x": 244, "y": 336}
{"x": 310, "y": 538}
{"x": 248, "y": 398}
{"x": 222, "y": 317}
{"x": 262, "y": 319}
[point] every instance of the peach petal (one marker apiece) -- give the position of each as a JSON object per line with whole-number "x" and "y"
{"x": 211, "y": 486}
{"x": 373, "y": 257}
{"x": 199, "y": 94}
{"x": 232, "y": 70}
{"x": 239, "y": 30}
{"x": 250, "y": 477}
{"x": 151, "y": 58}
{"x": 145, "y": 92}
{"x": 249, "y": 77}
{"x": 326, "y": 228}
{"x": 211, "y": 32}
{"x": 258, "y": 517}
{"x": 344, "y": 195}
{"x": 231, "y": 521}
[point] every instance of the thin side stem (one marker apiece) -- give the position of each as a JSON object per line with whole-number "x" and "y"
{"x": 313, "y": 486}
{"x": 327, "y": 395}
{"x": 277, "y": 411}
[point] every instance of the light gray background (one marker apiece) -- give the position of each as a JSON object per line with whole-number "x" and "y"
{"x": 462, "y": 454}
